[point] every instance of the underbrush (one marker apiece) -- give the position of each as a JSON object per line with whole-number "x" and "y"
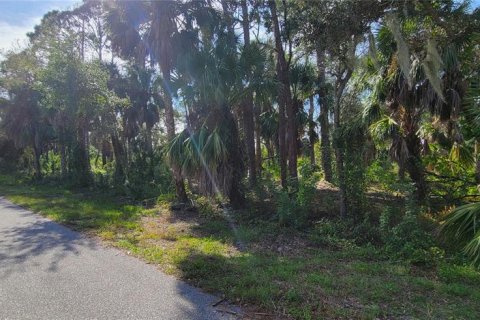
{"x": 333, "y": 269}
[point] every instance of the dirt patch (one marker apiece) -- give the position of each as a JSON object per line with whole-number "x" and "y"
{"x": 286, "y": 245}
{"x": 169, "y": 226}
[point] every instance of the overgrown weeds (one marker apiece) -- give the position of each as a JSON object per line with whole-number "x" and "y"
{"x": 291, "y": 272}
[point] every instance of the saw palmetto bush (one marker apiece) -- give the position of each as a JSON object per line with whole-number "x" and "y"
{"x": 462, "y": 226}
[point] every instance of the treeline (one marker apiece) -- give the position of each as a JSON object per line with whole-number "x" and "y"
{"x": 217, "y": 97}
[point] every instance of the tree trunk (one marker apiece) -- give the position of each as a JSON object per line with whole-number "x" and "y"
{"x": 84, "y": 177}
{"x": 326, "y": 154}
{"x": 477, "y": 162}
{"x": 287, "y": 125}
{"x": 38, "y": 168}
{"x": 87, "y": 148}
{"x": 248, "y": 122}
{"x": 170, "y": 124}
{"x": 105, "y": 151}
{"x": 258, "y": 141}
{"x": 120, "y": 160}
{"x": 414, "y": 166}
{"x": 148, "y": 139}
{"x": 235, "y": 193}
{"x": 339, "y": 161}
{"x": 477, "y": 171}
{"x": 311, "y": 130}
{"x": 340, "y": 141}
{"x": 63, "y": 156}
{"x": 270, "y": 152}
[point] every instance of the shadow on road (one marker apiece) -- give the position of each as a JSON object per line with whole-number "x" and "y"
{"x": 27, "y": 236}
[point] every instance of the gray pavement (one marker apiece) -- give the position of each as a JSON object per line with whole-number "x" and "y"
{"x": 48, "y": 271}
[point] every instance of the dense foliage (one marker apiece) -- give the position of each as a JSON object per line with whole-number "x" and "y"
{"x": 357, "y": 119}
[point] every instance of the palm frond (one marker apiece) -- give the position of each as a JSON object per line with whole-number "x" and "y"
{"x": 431, "y": 67}
{"x": 403, "y": 53}
{"x": 462, "y": 226}
{"x": 462, "y": 153}
{"x": 384, "y": 128}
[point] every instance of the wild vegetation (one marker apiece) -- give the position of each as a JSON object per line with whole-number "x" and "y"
{"x": 310, "y": 159}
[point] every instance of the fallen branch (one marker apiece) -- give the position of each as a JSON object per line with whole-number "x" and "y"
{"x": 218, "y": 302}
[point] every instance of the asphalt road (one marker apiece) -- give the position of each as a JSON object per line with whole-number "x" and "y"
{"x": 48, "y": 271}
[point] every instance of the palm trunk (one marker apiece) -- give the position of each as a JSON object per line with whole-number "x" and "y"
{"x": 105, "y": 148}
{"x": 287, "y": 122}
{"x": 63, "y": 160}
{"x": 248, "y": 122}
{"x": 477, "y": 171}
{"x": 270, "y": 152}
{"x": 83, "y": 173}
{"x": 339, "y": 161}
{"x": 37, "y": 165}
{"x": 339, "y": 144}
{"x": 148, "y": 139}
{"x": 63, "y": 155}
{"x": 170, "y": 124}
{"x": 282, "y": 148}
{"x": 258, "y": 142}
{"x": 120, "y": 160}
{"x": 311, "y": 131}
{"x": 235, "y": 193}
{"x": 414, "y": 166}
{"x": 324, "y": 123}
{"x": 477, "y": 162}
{"x": 87, "y": 148}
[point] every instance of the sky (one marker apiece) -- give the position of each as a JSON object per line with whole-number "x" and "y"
{"x": 17, "y": 17}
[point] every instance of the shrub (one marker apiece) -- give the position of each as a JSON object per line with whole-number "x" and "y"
{"x": 407, "y": 239}
{"x": 462, "y": 226}
{"x": 207, "y": 207}
{"x": 331, "y": 233}
{"x": 295, "y": 203}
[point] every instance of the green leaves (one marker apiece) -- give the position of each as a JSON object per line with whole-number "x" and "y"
{"x": 383, "y": 129}
{"x": 195, "y": 151}
{"x": 462, "y": 226}
{"x": 461, "y": 153}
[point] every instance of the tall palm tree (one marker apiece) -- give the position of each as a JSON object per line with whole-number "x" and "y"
{"x": 286, "y": 120}
{"x": 208, "y": 148}
{"x": 127, "y": 19}
{"x": 248, "y": 113}
{"x": 410, "y": 85}
{"x": 24, "y": 123}
{"x": 323, "y": 98}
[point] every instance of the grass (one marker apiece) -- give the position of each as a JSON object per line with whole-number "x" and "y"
{"x": 277, "y": 272}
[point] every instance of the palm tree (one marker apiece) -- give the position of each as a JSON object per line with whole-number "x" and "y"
{"x": 410, "y": 85}
{"x": 126, "y": 19}
{"x": 461, "y": 227}
{"x": 303, "y": 78}
{"x": 145, "y": 102}
{"x": 286, "y": 120}
{"x": 248, "y": 113}
{"x": 323, "y": 98}
{"x": 24, "y": 123}
{"x": 208, "y": 148}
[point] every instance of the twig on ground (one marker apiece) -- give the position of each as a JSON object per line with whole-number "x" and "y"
{"x": 218, "y": 302}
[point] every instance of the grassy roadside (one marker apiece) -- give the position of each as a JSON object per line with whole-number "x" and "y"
{"x": 279, "y": 271}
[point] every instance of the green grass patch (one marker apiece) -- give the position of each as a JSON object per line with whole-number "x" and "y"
{"x": 306, "y": 283}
